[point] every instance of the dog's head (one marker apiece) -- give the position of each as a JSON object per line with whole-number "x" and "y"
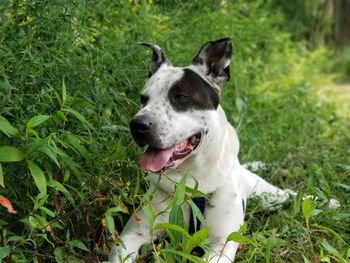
{"x": 179, "y": 105}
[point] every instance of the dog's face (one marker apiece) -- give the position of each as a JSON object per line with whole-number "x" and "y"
{"x": 179, "y": 105}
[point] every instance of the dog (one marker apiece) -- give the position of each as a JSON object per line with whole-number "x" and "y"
{"x": 186, "y": 131}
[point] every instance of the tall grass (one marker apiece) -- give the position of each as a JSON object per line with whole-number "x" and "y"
{"x": 70, "y": 74}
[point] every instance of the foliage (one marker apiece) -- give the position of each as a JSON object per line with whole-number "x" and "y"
{"x": 70, "y": 74}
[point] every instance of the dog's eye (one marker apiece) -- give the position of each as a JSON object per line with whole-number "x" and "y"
{"x": 181, "y": 97}
{"x": 143, "y": 100}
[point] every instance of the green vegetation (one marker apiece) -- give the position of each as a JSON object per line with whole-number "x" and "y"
{"x": 70, "y": 73}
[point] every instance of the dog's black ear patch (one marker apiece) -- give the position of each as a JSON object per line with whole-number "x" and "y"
{"x": 215, "y": 58}
{"x": 192, "y": 92}
{"x": 158, "y": 58}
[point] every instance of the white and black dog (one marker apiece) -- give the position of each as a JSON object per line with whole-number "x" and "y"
{"x": 186, "y": 131}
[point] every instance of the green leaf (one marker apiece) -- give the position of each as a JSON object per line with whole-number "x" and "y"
{"x": 59, "y": 187}
{"x": 7, "y": 128}
{"x": 78, "y": 244}
{"x": 150, "y": 215}
{"x": 331, "y": 231}
{"x": 1, "y": 176}
{"x": 184, "y": 255}
{"x": 4, "y": 252}
{"x": 77, "y": 115}
{"x": 176, "y": 215}
{"x": 110, "y": 223}
{"x": 306, "y": 260}
{"x": 197, "y": 239}
{"x": 76, "y": 144}
{"x": 47, "y": 211}
{"x": 38, "y": 176}
{"x": 237, "y": 236}
{"x": 330, "y": 249}
{"x": 10, "y": 154}
{"x": 37, "y": 120}
{"x": 344, "y": 186}
{"x": 239, "y": 105}
{"x": 59, "y": 253}
{"x": 15, "y": 239}
{"x": 168, "y": 226}
{"x": 114, "y": 210}
{"x": 46, "y": 149}
{"x": 307, "y": 208}
{"x": 197, "y": 214}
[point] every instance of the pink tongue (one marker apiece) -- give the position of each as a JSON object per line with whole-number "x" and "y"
{"x": 154, "y": 160}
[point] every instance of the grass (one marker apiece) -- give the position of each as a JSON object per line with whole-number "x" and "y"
{"x": 70, "y": 75}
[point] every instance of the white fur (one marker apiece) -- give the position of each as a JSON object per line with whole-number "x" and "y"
{"x": 214, "y": 165}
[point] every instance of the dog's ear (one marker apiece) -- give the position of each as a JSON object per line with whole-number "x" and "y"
{"x": 158, "y": 58}
{"x": 214, "y": 58}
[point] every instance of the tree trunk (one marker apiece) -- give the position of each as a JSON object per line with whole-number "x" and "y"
{"x": 342, "y": 22}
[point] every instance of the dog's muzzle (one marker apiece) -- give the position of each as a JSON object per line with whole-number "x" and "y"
{"x": 157, "y": 158}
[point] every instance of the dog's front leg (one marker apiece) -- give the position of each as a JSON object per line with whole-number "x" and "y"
{"x": 137, "y": 232}
{"x": 134, "y": 235}
{"x": 224, "y": 215}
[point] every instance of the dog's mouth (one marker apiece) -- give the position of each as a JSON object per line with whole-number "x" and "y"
{"x": 156, "y": 160}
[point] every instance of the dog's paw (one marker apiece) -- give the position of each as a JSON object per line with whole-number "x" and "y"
{"x": 333, "y": 204}
{"x": 274, "y": 201}
{"x": 255, "y": 166}
{"x": 219, "y": 259}
{"x": 119, "y": 255}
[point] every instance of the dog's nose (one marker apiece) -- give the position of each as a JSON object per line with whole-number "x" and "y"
{"x": 140, "y": 128}
{"x": 140, "y": 125}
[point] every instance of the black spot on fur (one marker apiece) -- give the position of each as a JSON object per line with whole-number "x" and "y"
{"x": 243, "y": 206}
{"x": 191, "y": 92}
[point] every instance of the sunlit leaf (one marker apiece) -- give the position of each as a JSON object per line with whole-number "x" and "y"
{"x": 7, "y": 128}
{"x": 10, "y": 154}
{"x": 307, "y": 208}
{"x": 238, "y": 236}
{"x": 38, "y": 176}
{"x": 37, "y": 120}
{"x": 197, "y": 239}
{"x": 330, "y": 249}
{"x": 110, "y": 223}
{"x": 168, "y": 226}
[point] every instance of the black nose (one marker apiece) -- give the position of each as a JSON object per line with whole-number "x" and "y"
{"x": 140, "y": 127}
